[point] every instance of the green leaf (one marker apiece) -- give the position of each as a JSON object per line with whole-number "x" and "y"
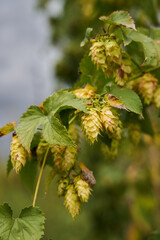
{"x": 63, "y": 100}
{"x": 120, "y": 18}
{"x": 87, "y": 36}
{"x": 29, "y": 225}
{"x": 129, "y": 98}
{"x": 9, "y": 165}
{"x": 9, "y": 127}
{"x": 28, "y": 124}
{"x": 55, "y": 133}
{"x": 90, "y": 74}
{"x": 149, "y": 49}
{"x": 155, "y": 33}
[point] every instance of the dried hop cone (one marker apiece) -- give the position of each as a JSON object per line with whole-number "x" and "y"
{"x": 156, "y": 97}
{"x": 147, "y": 86}
{"x": 91, "y": 125}
{"x": 18, "y": 154}
{"x": 72, "y": 202}
{"x": 87, "y": 92}
{"x": 58, "y": 153}
{"x": 83, "y": 189}
{"x": 69, "y": 159}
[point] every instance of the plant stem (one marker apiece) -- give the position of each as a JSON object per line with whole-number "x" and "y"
{"x": 39, "y": 178}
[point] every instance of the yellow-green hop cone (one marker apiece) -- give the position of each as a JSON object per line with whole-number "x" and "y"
{"x": 69, "y": 159}
{"x": 18, "y": 154}
{"x": 87, "y": 92}
{"x": 147, "y": 86}
{"x": 108, "y": 119}
{"x": 123, "y": 73}
{"x": 91, "y": 125}
{"x": 83, "y": 189}
{"x": 74, "y": 133}
{"x": 72, "y": 202}
{"x": 156, "y": 98}
{"x": 41, "y": 149}
{"x": 62, "y": 187}
{"x": 58, "y": 153}
{"x": 134, "y": 131}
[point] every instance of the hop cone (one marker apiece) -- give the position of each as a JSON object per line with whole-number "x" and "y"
{"x": 70, "y": 156}
{"x": 62, "y": 187}
{"x": 73, "y": 133}
{"x": 156, "y": 97}
{"x": 122, "y": 73}
{"x": 91, "y": 125}
{"x": 147, "y": 86}
{"x": 106, "y": 53}
{"x": 87, "y": 92}
{"x": 18, "y": 154}
{"x": 41, "y": 149}
{"x": 72, "y": 202}
{"x": 58, "y": 153}
{"x": 83, "y": 189}
{"x": 135, "y": 133}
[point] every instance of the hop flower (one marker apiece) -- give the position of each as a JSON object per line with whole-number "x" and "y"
{"x": 83, "y": 189}
{"x": 122, "y": 73}
{"x": 112, "y": 151}
{"x": 18, "y": 154}
{"x": 106, "y": 53}
{"x": 73, "y": 133}
{"x": 72, "y": 202}
{"x": 156, "y": 97}
{"x": 62, "y": 187}
{"x": 110, "y": 122}
{"x": 41, "y": 149}
{"x": 69, "y": 158}
{"x": 58, "y": 153}
{"x": 87, "y": 92}
{"x": 91, "y": 125}
{"x": 134, "y": 133}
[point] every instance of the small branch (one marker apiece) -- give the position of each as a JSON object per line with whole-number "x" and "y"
{"x": 39, "y": 178}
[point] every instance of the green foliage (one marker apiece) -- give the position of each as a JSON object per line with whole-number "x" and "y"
{"x": 87, "y": 36}
{"x": 129, "y": 98}
{"x": 155, "y": 235}
{"x": 29, "y": 225}
{"x": 119, "y": 18}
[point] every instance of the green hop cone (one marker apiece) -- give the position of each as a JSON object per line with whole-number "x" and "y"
{"x": 91, "y": 125}
{"x": 73, "y": 133}
{"x": 41, "y": 149}
{"x": 134, "y": 131}
{"x": 156, "y": 98}
{"x": 18, "y": 154}
{"x": 72, "y": 202}
{"x": 69, "y": 159}
{"x": 106, "y": 53}
{"x": 58, "y": 153}
{"x": 83, "y": 189}
{"x": 111, "y": 123}
{"x": 62, "y": 187}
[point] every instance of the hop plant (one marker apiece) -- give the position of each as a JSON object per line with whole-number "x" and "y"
{"x": 91, "y": 125}
{"x": 63, "y": 183}
{"x": 72, "y": 202}
{"x": 58, "y": 153}
{"x": 18, "y": 154}
{"x": 87, "y": 92}
{"x": 83, "y": 189}
{"x": 74, "y": 133}
{"x": 41, "y": 149}
{"x": 134, "y": 133}
{"x": 110, "y": 122}
{"x": 69, "y": 159}
{"x": 156, "y": 97}
{"x": 106, "y": 53}
{"x": 112, "y": 151}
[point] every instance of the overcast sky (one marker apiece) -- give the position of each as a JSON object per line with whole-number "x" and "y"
{"x": 26, "y": 59}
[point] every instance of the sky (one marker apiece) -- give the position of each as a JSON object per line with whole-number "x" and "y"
{"x": 26, "y": 59}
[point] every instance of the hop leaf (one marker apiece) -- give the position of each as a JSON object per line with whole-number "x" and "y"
{"x": 18, "y": 154}
{"x": 91, "y": 125}
{"x": 72, "y": 202}
{"x": 83, "y": 189}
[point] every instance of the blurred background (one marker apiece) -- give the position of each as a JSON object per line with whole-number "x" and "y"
{"x": 39, "y": 53}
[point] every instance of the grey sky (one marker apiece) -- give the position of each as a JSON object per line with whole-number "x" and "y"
{"x": 26, "y": 59}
